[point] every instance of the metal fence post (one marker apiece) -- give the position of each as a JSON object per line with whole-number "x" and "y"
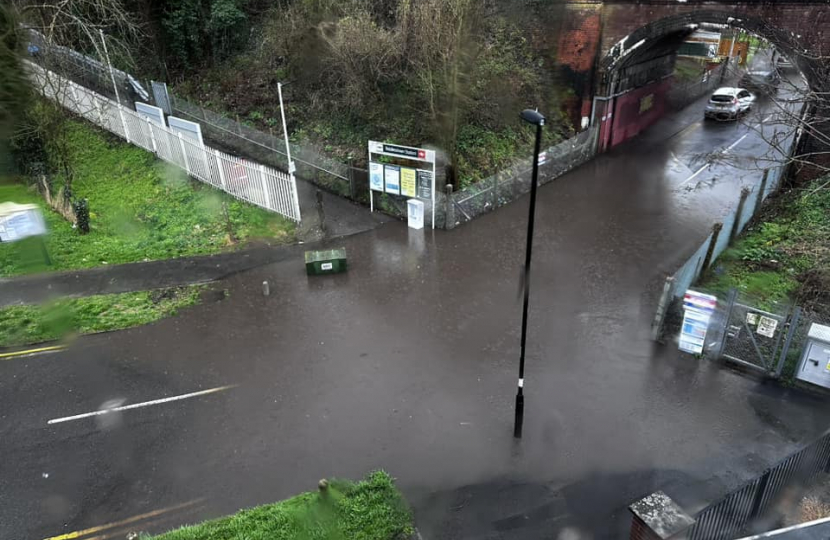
{"x": 352, "y": 181}
{"x": 730, "y": 305}
{"x": 494, "y": 192}
{"x": 759, "y": 496}
{"x": 788, "y": 341}
{"x": 760, "y": 198}
{"x": 736, "y": 225}
{"x": 184, "y": 153}
{"x": 449, "y": 210}
{"x": 221, "y": 169}
{"x": 238, "y": 126}
{"x": 662, "y": 306}
{"x": 152, "y": 136}
{"x": 262, "y": 173}
{"x": 707, "y": 260}
{"x": 123, "y": 123}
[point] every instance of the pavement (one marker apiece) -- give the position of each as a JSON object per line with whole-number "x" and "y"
{"x": 408, "y": 362}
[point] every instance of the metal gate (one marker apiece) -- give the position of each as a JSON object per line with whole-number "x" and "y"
{"x": 161, "y": 96}
{"x": 756, "y": 338}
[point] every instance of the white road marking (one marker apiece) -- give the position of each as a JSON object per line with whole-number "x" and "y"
{"x": 697, "y": 172}
{"x": 724, "y": 151}
{"x": 734, "y": 144}
{"x": 139, "y": 405}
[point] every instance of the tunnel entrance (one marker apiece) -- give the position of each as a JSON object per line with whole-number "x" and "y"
{"x": 636, "y": 75}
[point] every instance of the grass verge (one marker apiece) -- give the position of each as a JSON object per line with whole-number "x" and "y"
{"x": 141, "y": 209}
{"x": 372, "y": 509}
{"x": 25, "y": 325}
{"x": 784, "y": 255}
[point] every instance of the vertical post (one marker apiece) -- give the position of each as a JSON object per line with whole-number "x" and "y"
{"x": 449, "y": 214}
{"x": 352, "y": 182}
{"x": 123, "y": 123}
{"x": 152, "y": 136}
{"x": 761, "y": 191}
{"x": 433, "y": 195}
{"x": 755, "y": 511}
{"x": 221, "y": 170}
{"x": 265, "y": 191}
{"x": 184, "y": 152}
{"x": 788, "y": 341}
{"x": 662, "y": 306}
{"x": 291, "y": 166}
{"x": 736, "y": 225}
{"x": 494, "y": 192}
{"x": 730, "y": 305}
{"x": 109, "y": 65}
{"x": 238, "y": 126}
{"x": 534, "y": 181}
{"x": 707, "y": 260}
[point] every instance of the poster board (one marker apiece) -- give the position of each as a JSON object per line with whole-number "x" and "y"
{"x": 154, "y": 114}
{"x": 186, "y": 128}
{"x": 698, "y": 309}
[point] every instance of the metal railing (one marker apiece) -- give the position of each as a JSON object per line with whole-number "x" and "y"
{"x": 752, "y": 504}
{"x": 245, "y": 180}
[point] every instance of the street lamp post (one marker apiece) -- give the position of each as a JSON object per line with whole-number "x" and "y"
{"x": 533, "y": 117}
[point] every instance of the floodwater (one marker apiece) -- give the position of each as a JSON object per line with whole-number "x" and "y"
{"x": 408, "y": 362}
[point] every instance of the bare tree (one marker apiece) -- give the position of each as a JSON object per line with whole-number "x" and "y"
{"x": 54, "y": 30}
{"x": 796, "y": 124}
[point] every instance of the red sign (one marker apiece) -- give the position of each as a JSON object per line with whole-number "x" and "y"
{"x": 422, "y": 154}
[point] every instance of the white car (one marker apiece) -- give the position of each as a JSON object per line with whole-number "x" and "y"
{"x": 729, "y": 103}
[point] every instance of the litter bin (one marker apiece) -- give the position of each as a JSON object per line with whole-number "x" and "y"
{"x": 415, "y": 212}
{"x": 330, "y": 261}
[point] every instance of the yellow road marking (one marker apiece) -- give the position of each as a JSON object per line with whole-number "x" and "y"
{"x": 15, "y": 354}
{"x": 99, "y": 528}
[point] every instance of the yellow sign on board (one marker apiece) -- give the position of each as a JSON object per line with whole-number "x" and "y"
{"x": 408, "y": 182}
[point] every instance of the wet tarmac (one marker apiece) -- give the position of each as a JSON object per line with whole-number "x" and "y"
{"x": 408, "y": 362}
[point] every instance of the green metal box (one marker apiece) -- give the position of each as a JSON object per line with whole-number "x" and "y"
{"x": 329, "y": 261}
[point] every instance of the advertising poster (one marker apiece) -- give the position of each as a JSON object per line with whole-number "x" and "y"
{"x": 376, "y": 176}
{"x": 408, "y": 182}
{"x": 698, "y": 309}
{"x": 392, "y": 179}
{"x": 424, "y": 179}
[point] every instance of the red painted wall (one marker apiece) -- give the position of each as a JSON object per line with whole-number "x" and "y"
{"x": 636, "y": 110}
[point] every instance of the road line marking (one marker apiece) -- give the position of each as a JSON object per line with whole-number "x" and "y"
{"x": 31, "y": 352}
{"x": 139, "y": 405}
{"x": 689, "y": 179}
{"x": 734, "y": 144}
{"x": 140, "y": 517}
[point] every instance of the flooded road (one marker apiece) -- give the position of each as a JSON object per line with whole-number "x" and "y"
{"x": 408, "y": 363}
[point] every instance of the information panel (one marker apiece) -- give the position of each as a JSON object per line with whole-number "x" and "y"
{"x": 424, "y": 179}
{"x": 376, "y": 176}
{"x": 392, "y": 179}
{"x": 408, "y": 182}
{"x": 697, "y": 311}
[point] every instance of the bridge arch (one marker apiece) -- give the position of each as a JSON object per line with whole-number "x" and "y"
{"x": 634, "y": 67}
{"x": 792, "y": 44}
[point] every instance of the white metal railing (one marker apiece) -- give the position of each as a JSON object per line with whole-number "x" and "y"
{"x": 245, "y": 180}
